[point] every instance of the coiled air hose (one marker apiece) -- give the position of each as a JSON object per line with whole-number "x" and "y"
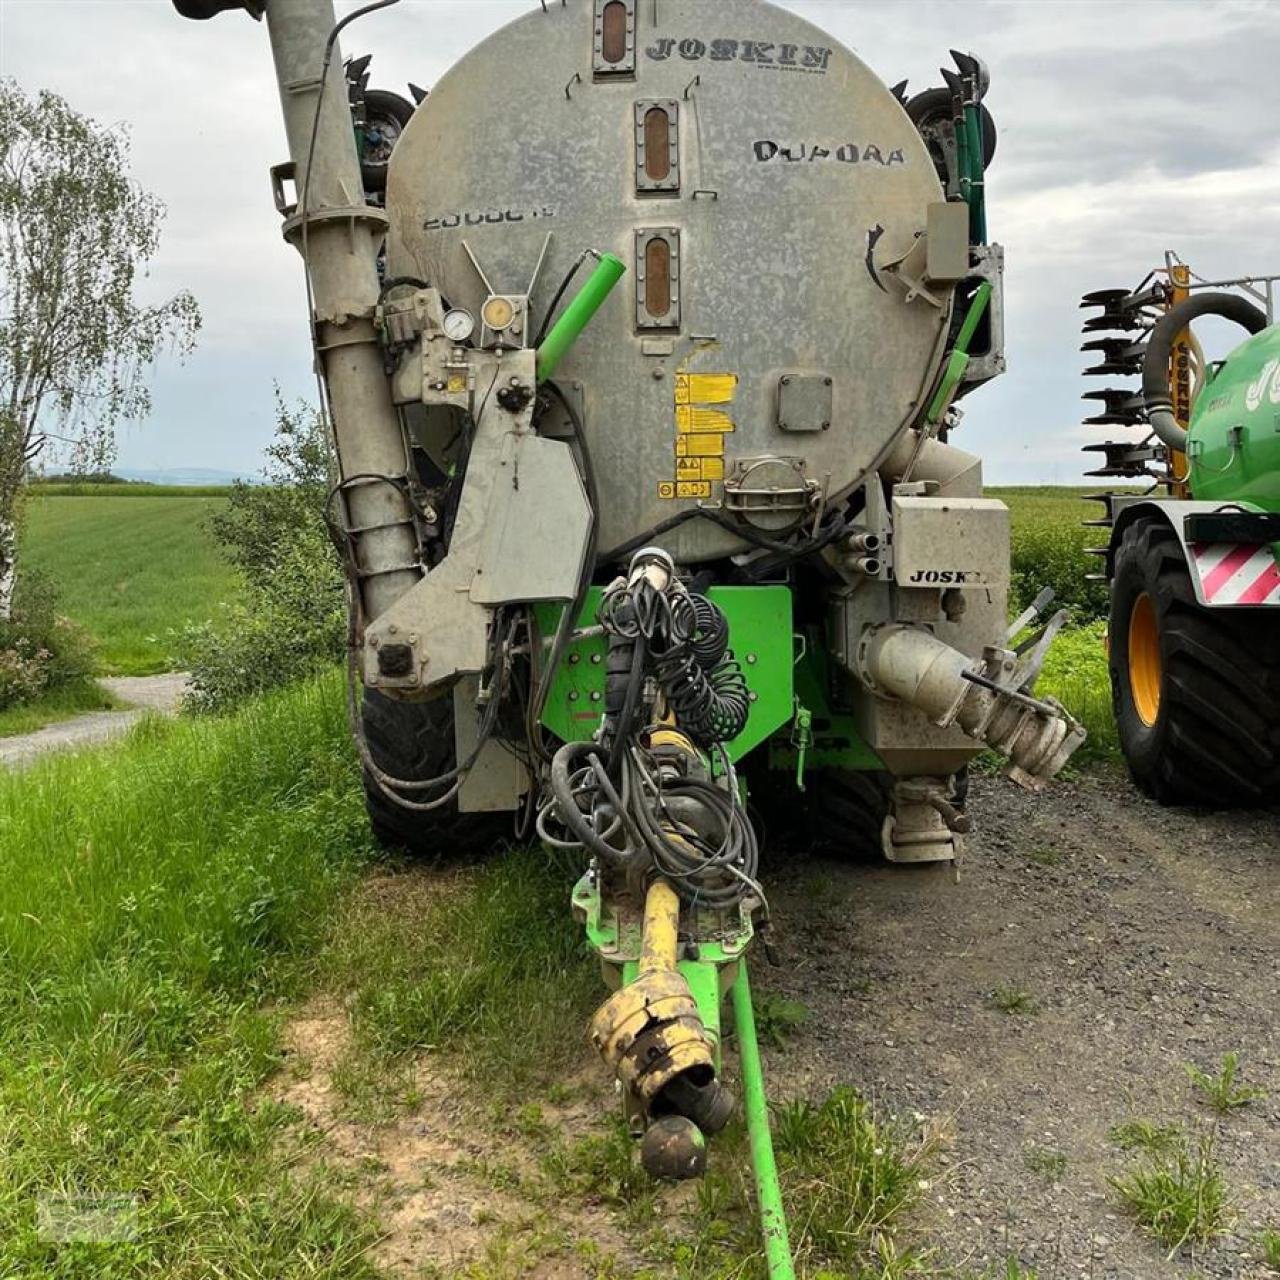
{"x": 657, "y": 805}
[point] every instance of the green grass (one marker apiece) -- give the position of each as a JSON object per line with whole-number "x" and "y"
{"x": 1269, "y": 1244}
{"x": 445, "y": 961}
{"x": 1045, "y": 1162}
{"x": 1222, "y": 1091}
{"x": 157, "y": 897}
{"x": 63, "y": 703}
{"x": 129, "y": 572}
{"x": 126, "y": 489}
{"x": 1014, "y": 1001}
{"x": 1178, "y": 1195}
{"x": 777, "y": 1018}
{"x": 1138, "y": 1134}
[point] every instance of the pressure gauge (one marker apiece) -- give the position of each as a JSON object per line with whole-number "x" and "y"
{"x": 498, "y": 314}
{"x": 459, "y": 325}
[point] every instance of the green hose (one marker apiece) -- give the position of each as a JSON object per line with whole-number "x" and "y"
{"x": 578, "y": 314}
{"x": 773, "y": 1221}
{"x": 977, "y": 168}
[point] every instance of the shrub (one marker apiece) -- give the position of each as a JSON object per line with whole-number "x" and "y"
{"x": 39, "y": 650}
{"x": 292, "y": 620}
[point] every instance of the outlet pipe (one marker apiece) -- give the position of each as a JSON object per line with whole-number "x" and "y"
{"x": 578, "y": 314}
{"x": 1155, "y": 365}
{"x": 338, "y": 236}
{"x": 773, "y": 1220}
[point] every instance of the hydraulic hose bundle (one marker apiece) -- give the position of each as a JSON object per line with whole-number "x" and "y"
{"x": 687, "y": 637}
{"x": 643, "y": 796}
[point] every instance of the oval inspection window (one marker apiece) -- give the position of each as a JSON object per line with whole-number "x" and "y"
{"x": 657, "y": 278}
{"x": 657, "y": 149}
{"x": 613, "y": 41}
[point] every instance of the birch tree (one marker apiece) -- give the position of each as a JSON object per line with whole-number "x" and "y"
{"x": 76, "y": 234}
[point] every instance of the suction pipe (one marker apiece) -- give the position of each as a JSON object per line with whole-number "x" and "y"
{"x": 1155, "y": 367}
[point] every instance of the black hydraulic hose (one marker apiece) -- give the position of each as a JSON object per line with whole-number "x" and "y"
{"x": 1156, "y": 392}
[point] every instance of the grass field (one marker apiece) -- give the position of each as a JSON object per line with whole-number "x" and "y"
{"x": 157, "y": 899}
{"x": 90, "y": 489}
{"x": 129, "y": 570}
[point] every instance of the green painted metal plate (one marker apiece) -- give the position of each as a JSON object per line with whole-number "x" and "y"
{"x": 760, "y": 636}
{"x": 1234, "y": 440}
{"x": 836, "y": 744}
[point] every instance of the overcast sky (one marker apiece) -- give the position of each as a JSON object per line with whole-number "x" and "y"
{"x": 1125, "y": 129}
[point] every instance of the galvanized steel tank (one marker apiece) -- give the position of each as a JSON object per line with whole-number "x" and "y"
{"x": 755, "y": 177}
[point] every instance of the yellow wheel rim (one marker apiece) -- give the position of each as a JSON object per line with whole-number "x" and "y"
{"x": 1145, "y": 670}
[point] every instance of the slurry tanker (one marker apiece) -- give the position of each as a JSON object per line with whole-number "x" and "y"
{"x": 643, "y": 337}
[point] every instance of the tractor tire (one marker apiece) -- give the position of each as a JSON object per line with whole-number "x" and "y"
{"x": 847, "y": 811}
{"x": 933, "y": 107}
{"x": 1196, "y": 691}
{"x": 839, "y": 812}
{"x": 414, "y": 741}
{"x": 389, "y": 114}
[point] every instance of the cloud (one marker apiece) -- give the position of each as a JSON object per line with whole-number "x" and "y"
{"x": 1125, "y": 129}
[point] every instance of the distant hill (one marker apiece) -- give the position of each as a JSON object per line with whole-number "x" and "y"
{"x": 183, "y": 476}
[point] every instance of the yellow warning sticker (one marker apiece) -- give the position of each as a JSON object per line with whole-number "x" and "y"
{"x": 706, "y": 388}
{"x": 690, "y": 417}
{"x": 699, "y": 469}
{"x": 700, "y": 446}
{"x": 701, "y": 429}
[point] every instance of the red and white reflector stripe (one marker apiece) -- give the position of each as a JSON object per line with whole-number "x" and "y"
{"x": 1235, "y": 573}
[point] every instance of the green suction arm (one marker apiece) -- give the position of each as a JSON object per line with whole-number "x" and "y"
{"x": 773, "y": 1221}
{"x": 577, "y": 315}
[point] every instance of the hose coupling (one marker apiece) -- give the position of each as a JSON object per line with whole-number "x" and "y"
{"x": 653, "y": 1039}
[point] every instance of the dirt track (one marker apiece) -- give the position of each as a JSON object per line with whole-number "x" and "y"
{"x": 1146, "y": 938}
{"x": 139, "y": 694}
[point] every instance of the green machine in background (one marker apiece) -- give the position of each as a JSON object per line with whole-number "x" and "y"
{"x": 1193, "y": 565}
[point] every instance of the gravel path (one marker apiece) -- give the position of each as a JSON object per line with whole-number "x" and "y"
{"x": 160, "y": 693}
{"x": 1143, "y": 938}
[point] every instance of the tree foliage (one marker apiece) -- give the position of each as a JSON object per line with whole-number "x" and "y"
{"x": 291, "y": 620}
{"x": 76, "y": 233}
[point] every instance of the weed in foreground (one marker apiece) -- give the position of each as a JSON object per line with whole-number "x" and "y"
{"x": 1014, "y": 1000}
{"x": 778, "y": 1018}
{"x": 1145, "y": 1135}
{"x": 1014, "y": 1270}
{"x": 154, "y": 895}
{"x": 1044, "y": 857}
{"x": 1222, "y": 1092}
{"x": 1178, "y": 1196}
{"x": 1269, "y": 1243}
{"x": 1048, "y": 1164}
